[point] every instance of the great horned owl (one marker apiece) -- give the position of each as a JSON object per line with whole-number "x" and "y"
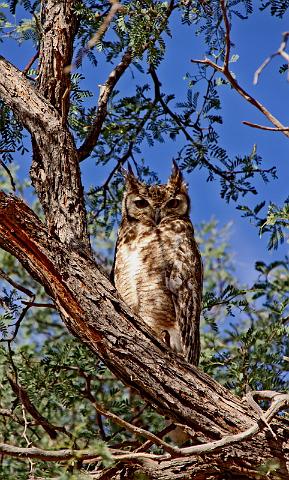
{"x": 158, "y": 267}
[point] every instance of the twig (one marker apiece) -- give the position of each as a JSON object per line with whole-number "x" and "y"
{"x": 40, "y": 305}
{"x": 129, "y": 426}
{"x": 15, "y": 284}
{"x": 227, "y": 34}
{"x": 115, "y": 7}
{"x": 279, "y": 401}
{"x": 69, "y": 454}
{"x": 24, "y": 435}
{"x": 145, "y": 446}
{"x": 23, "y": 397}
{"x": 262, "y": 127}
{"x": 280, "y": 51}
{"x": 227, "y": 176}
{"x": 226, "y": 72}
{"x": 250, "y": 400}
{"x": 18, "y": 323}
{"x": 9, "y": 175}
{"x": 30, "y": 63}
{"x": 7, "y": 413}
{"x": 121, "y": 161}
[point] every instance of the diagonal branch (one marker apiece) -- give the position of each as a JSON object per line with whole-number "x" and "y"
{"x": 24, "y": 399}
{"x": 107, "y": 89}
{"x": 14, "y": 284}
{"x": 29, "y": 106}
{"x": 128, "y": 426}
{"x": 104, "y": 95}
{"x": 115, "y": 7}
{"x": 91, "y": 309}
{"x": 281, "y": 51}
{"x": 55, "y": 173}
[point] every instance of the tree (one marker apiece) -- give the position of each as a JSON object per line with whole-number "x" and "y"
{"x": 66, "y": 410}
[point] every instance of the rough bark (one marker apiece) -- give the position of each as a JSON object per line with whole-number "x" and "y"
{"x": 59, "y": 23}
{"x": 92, "y": 311}
{"x": 55, "y": 172}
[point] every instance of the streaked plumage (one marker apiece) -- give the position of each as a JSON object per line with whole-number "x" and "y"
{"x": 158, "y": 268}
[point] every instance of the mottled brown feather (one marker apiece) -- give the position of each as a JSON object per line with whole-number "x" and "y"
{"x": 158, "y": 267}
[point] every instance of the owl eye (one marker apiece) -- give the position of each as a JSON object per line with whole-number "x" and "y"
{"x": 141, "y": 203}
{"x": 173, "y": 203}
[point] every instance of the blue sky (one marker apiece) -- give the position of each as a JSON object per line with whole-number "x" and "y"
{"x": 255, "y": 39}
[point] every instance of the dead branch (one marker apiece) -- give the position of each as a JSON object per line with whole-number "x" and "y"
{"x": 18, "y": 322}
{"x": 156, "y": 440}
{"x": 262, "y": 127}
{"x": 115, "y": 7}
{"x": 39, "y": 305}
{"x": 224, "y": 69}
{"x": 281, "y": 51}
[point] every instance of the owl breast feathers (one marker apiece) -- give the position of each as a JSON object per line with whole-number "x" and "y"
{"x": 158, "y": 267}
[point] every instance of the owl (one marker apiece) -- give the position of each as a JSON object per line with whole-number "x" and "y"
{"x": 158, "y": 267}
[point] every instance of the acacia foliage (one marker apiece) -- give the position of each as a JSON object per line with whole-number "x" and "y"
{"x": 245, "y": 341}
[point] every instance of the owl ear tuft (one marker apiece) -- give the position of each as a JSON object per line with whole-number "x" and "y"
{"x": 176, "y": 179}
{"x": 131, "y": 181}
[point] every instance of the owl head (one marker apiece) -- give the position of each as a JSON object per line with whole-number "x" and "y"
{"x": 153, "y": 203}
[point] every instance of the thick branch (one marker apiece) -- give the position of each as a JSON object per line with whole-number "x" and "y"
{"x": 29, "y": 106}
{"x": 93, "y": 312}
{"x": 55, "y": 172}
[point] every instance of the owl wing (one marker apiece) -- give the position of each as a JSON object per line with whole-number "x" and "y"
{"x": 185, "y": 282}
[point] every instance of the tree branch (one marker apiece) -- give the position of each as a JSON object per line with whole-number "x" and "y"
{"x": 279, "y": 401}
{"x": 227, "y": 176}
{"x": 57, "y": 166}
{"x": 115, "y": 7}
{"x": 262, "y": 127}
{"x": 92, "y": 311}
{"x": 226, "y": 72}
{"x": 31, "y": 108}
{"x": 9, "y": 175}
{"x": 15, "y": 285}
{"x": 24, "y": 399}
{"x": 280, "y": 51}
{"x": 106, "y": 91}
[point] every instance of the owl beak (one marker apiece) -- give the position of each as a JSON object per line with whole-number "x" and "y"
{"x": 157, "y": 215}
